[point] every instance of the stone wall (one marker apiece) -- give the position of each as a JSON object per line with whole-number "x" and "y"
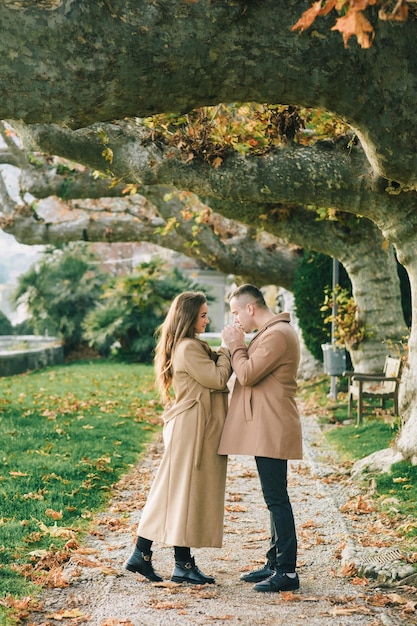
{"x": 19, "y": 354}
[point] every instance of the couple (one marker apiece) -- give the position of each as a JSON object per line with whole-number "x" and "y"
{"x": 185, "y": 506}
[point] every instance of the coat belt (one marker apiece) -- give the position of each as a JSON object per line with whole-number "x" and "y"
{"x": 186, "y": 405}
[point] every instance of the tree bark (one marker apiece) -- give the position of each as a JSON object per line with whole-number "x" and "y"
{"x": 116, "y": 58}
{"x": 179, "y": 221}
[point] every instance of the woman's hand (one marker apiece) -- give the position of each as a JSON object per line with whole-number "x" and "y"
{"x": 231, "y": 334}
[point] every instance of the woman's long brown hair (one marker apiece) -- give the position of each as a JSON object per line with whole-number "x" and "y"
{"x": 178, "y": 324}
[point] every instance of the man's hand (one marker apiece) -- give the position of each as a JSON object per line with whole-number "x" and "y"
{"x": 231, "y": 334}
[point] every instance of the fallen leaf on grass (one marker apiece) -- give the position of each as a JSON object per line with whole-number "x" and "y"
{"x": 65, "y": 614}
{"x": 57, "y": 531}
{"x": 39, "y": 554}
{"x": 53, "y": 514}
{"x": 21, "y": 604}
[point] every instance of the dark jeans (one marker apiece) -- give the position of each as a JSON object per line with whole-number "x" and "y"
{"x": 273, "y": 476}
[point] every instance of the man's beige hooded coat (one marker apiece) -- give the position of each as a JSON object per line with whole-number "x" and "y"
{"x": 263, "y": 418}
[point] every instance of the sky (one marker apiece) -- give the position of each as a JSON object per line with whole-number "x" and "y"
{"x": 15, "y": 259}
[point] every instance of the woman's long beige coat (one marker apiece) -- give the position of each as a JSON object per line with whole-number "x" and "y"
{"x": 185, "y": 506}
{"x": 263, "y": 418}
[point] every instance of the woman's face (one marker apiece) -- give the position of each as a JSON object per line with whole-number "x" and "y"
{"x": 202, "y": 319}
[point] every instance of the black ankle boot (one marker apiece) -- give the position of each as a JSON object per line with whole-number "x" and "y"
{"x": 188, "y": 572}
{"x": 141, "y": 563}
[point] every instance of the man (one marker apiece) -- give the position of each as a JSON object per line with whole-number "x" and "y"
{"x": 263, "y": 421}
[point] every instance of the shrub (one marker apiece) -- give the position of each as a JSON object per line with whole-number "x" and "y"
{"x": 131, "y": 309}
{"x": 313, "y": 278}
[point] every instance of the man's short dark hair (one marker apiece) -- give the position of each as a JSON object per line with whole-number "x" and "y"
{"x": 252, "y": 293}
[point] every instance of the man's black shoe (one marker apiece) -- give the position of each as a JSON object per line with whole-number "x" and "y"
{"x": 278, "y": 582}
{"x": 258, "y": 574}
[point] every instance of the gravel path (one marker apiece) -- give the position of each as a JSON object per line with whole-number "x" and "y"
{"x": 332, "y": 518}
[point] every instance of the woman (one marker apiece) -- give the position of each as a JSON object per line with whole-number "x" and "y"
{"x": 185, "y": 505}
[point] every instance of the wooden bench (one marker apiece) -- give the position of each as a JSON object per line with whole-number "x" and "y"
{"x": 383, "y": 386}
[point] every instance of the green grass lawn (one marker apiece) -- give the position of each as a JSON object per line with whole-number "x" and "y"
{"x": 395, "y": 492}
{"x": 67, "y": 434}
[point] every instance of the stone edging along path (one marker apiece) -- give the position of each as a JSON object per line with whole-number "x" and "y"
{"x": 337, "y": 527}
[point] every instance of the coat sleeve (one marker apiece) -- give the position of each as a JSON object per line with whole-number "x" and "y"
{"x": 265, "y": 358}
{"x": 198, "y": 365}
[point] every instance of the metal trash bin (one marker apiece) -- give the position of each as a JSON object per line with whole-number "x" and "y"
{"x": 334, "y": 359}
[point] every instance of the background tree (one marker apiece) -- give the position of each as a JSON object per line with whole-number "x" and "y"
{"x": 60, "y": 290}
{"x": 6, "y": 327}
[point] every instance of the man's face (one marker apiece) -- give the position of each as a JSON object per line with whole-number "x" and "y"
{"x": 242, "y": 312}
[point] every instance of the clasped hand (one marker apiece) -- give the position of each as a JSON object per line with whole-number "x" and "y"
{"x": 231, "y": 334}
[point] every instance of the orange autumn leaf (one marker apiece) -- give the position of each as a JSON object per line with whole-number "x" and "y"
{"x": 410, "y": 607}
{"x": 168, "y": 584}
{"x": 349, "y": 570}
{"x": 108, "y": 571}
{"x": 236, "y": 497}
{"x": 364, "y": 505}
{"x": 363, "y": 610}
{"x": 82, "y": 561}
{"x": 53, "y": 514}
{"x": 379, "y": 599}
{"x": 66, "y": 614}
{"x": 310, "y": 14}
{"x": 237, "y": 508}
{"x": 355, "y": 23}
{"x": 309, "y": 524}
{"x": 167, "y": 606}
{"x": 289, "y": 596}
